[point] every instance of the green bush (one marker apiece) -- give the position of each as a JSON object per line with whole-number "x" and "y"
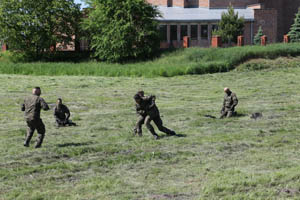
{"x": 179, "y": 62}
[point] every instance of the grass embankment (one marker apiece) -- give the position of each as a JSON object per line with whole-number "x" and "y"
{"x": 180, "y": 62}
{"x": 237, "y": 158}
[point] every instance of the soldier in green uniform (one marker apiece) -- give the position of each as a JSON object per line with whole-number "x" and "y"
{"x": 148, "y": 107}
{"x": 62, "y": 114}
{"x": 141, "y": 116}
{"x": 32, "y": 107}
{"x": 229, "y": 103}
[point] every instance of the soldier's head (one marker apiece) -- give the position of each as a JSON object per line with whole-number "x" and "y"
{"x": 137, "y": 98}
{"x": 227, "y": 90}
{"x": 59, "y": 101}
{"x": 141, "y": 93}
{"x": 36, "y": 91}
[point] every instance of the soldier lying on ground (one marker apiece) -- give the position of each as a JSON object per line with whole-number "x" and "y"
{"x": 32, "y": 107}
{"x": 229, "y": 104}
{"x": 62, "y": 114}
{"x": 148, "y": 107}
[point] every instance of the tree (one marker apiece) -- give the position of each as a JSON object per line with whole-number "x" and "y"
{"x": 257, "y": 37}
{"x": 32, "y": 26}
{"x": 122, "y": 30}
{"x": 295, "y": 29}
{"x": 230, "y": 26}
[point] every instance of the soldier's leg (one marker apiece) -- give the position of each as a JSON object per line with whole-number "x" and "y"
{"x": 138, "y": 126}
{"x": 159, "y": 123}
{"x": 229, "y": 113}
{"x": 223, "y": 114}
{"x": 150, "y": 127}
{"x": 29, "y": 134}
{"x": 41, "y": 133}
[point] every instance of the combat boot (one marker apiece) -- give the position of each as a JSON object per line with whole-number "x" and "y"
{"x": 26, "y": 143}
{"x": 39, "y": 141}
{"x": 156, "y": 137}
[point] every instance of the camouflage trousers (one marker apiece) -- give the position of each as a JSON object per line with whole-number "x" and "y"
{"x": 227, "y": 112}
{"x": 33, "y": 125}
{"x": 159, "y": 123}
{"x": 138, "y": 125}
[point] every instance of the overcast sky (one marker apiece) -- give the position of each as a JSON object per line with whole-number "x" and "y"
{"x": 81, "y": 2}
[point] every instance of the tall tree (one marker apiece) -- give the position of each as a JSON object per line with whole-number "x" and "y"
{"x": 122, "y": 30}
{"x": 32, "y": 26}
{"x": 230, "y": 26}
{"x": 295, "y": 29}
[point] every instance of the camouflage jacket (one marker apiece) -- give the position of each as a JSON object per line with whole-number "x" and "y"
{"x": 61, "y": 112}
{"x": 147, "y": 107}
{"x": 230, "y": 101}
{"x": 32, "y": 106}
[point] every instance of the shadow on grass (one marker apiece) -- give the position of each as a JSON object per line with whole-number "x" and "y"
{"x": 74, "y": 144}
{"x": 177, "y": 135}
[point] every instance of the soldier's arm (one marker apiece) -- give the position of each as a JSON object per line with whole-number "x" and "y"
{"x": 139, "y": 109}
{"x": 68, "y": 114}
{"x": 44, "y": 105}
{"x": 235, "y": 101}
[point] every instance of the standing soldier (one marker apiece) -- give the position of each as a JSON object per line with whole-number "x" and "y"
{"x": 147, "y": 105}
{"x": 141, "y": 115}
{"x": 230, "y": 101}
{"x": 32, "y": 106}
{"x": 62, "y": 114}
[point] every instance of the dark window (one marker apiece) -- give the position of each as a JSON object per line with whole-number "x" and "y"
{"x": 214, "y": 27}
{"x": 163, "y": 32}
{"x": 204, "y": 31}
{"x": 173, "y": 30}
{"x": 194, "y": 32}
{"x": 183, "y": 31}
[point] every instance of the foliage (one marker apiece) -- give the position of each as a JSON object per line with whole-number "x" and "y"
{"x": 180, "y": 62}
{"x": 230, "y": 26}
{"x": 257, "y": 37}
{"x": 122, "y": 30}
{"x": 295, "y": 29}
{"x": 31, "y": 27}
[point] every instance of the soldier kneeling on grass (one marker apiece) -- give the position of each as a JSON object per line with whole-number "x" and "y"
{"x": 229, "y": 104}
{"x": 148, "y": 107}
{"x": 62, "y": 114}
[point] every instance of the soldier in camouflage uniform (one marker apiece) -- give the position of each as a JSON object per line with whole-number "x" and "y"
{"x": 32, "y": 107}
{"x": 148, "y": 107}
{"x": 141, "y": 116}
{"x": 62, "y": 114}
{"x": 229, "y": 103}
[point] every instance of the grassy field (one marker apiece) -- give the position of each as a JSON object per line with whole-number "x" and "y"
{"x": 180, "y": 62}
{"x": 237, "y": 158}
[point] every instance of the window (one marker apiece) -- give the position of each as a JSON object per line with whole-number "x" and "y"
{"x": 183, "y": 31}
{"x": 194, "y": 32}
{"x": 163, "y": 32}
{"x": 173, "y": 32}
{"x": 214, "y": 27}
{"x": 204, "y": 31}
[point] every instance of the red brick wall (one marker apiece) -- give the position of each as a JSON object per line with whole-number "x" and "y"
{"x": 267, "y": 19}
{"x": 247, "y": 33}
{"x": 179, "y": 3}
{"x": 203, "y": 3}
{"x": 235, "y": 3}
{"x": 158, "y": 2}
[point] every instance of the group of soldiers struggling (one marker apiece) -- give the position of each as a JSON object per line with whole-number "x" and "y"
{"x": 145, "y": 107}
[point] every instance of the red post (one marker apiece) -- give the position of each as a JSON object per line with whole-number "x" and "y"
{"x": 240, "y": 41}
{"x": 286, "y": 39}
{"x": 4, "y": 47}
{"x": 216, "y": 41}
{"x": 264, "y": 40}
{"x": 186, "y": 42}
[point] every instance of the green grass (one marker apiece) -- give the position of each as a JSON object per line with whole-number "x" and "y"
{"x": 237, "y": 158}
{"x": 181, "y": 62}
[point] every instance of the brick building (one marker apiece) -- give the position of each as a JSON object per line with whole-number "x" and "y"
{"x": 198, "y": 18}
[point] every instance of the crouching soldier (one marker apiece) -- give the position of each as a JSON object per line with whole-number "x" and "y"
{"x": 148, "y": 106}
{"x": 229, "y": 104}
{"x": 62, "y": 114}
{"x": 32, "y": 107}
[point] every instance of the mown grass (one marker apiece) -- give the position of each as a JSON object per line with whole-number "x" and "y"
{"x": 237, "y": 158}
{"x": 181, "y": 62}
